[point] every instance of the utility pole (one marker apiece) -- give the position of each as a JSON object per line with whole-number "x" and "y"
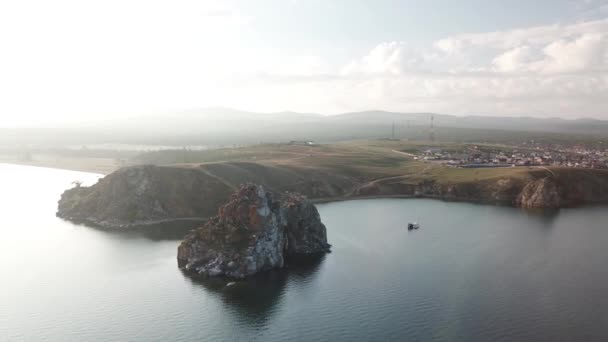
{"x": 432, "y": 130}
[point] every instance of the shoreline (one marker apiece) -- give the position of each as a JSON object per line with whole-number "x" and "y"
{"x": 469, "y": 192}
{"x": 404, "y": 196}
{"x": 195, "y": 221}
{"x": 188, "y": 222}
{"x": 89, "y": 165}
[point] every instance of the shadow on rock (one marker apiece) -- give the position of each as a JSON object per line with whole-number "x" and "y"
{"x": 255, "y": 299}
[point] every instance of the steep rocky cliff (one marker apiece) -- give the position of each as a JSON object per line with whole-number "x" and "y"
{"x": 565, "y": 188}
{"x": 542, "y": 188}
{"x": 540, "y": 193}
{"x": 143, "y": 194}
{"x": 500, "y": 191}
{"x": 255, "y": 231}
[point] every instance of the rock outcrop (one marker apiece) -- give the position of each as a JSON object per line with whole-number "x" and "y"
{"x": 540, "y": 189}
{"x": 255, "y": 231}
{"x": 145, "y": 194}
{"x": 540, "y": 193}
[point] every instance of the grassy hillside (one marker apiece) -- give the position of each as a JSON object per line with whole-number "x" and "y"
{"x": 345, "y": 166}
{"x": 343, "y": 169}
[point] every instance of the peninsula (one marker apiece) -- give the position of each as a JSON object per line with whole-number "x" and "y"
{"x": 163, "y": 188}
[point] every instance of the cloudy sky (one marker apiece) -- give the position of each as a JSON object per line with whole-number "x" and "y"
{"x": 74, "y": 60}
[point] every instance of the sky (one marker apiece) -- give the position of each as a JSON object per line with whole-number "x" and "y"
{"x": 68, "y": 61}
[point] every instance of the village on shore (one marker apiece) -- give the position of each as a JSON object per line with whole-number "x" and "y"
{"x": 528, "y": 154}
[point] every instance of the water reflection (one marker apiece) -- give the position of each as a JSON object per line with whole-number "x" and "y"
{"x": 254, "y": 300}
{"x": 546, "y": 217}
{"x": 165, "y": 231}
{"x": 175, "y": 230}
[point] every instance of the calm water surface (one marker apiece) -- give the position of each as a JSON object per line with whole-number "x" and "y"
{"x": 471, "y": 273}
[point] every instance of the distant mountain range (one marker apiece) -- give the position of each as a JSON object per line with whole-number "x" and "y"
{"x": 221, "y": 126}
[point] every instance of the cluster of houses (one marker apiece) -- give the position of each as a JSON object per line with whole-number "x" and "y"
{"x": 474, "y": 157}
{"x": 302, "y": 142}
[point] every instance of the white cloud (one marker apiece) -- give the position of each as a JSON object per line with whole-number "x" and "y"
{"x": 449, "y": 45}
{"x": 546, "y": 70}
{"x": 390, "y": 57}
{"x": 586, "y": 53}
{"x": 538, "y": 35}
{"x": 513, "y": 60}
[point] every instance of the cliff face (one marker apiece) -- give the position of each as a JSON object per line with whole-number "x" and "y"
{"x": 143, "y": 194}
{"x": 542, "y": 189}
{"x": 502, "y": 191}
{"x": 253, "y": 232}
{"x": 541, "y": 193}
{"x": 303, "y": 228}
{"x": 565, "y": 188}
{"x": 140, "y": 195}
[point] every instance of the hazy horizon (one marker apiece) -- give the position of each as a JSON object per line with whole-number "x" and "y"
{"x": 76, "y": 61}
{"x": 212, "y": 113}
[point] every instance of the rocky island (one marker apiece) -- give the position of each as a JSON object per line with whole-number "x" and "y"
{"x": 255, "y": 231}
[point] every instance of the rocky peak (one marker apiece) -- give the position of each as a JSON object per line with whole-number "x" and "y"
{"x": 250, "y": 206}
{"x": 253, "y": 232}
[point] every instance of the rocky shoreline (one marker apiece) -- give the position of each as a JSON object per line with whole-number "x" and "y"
{"x": 141, "y": 195}
{"x": 144, "y": 195}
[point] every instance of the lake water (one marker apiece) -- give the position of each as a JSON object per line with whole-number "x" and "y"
{"x": 471, "y": 273}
